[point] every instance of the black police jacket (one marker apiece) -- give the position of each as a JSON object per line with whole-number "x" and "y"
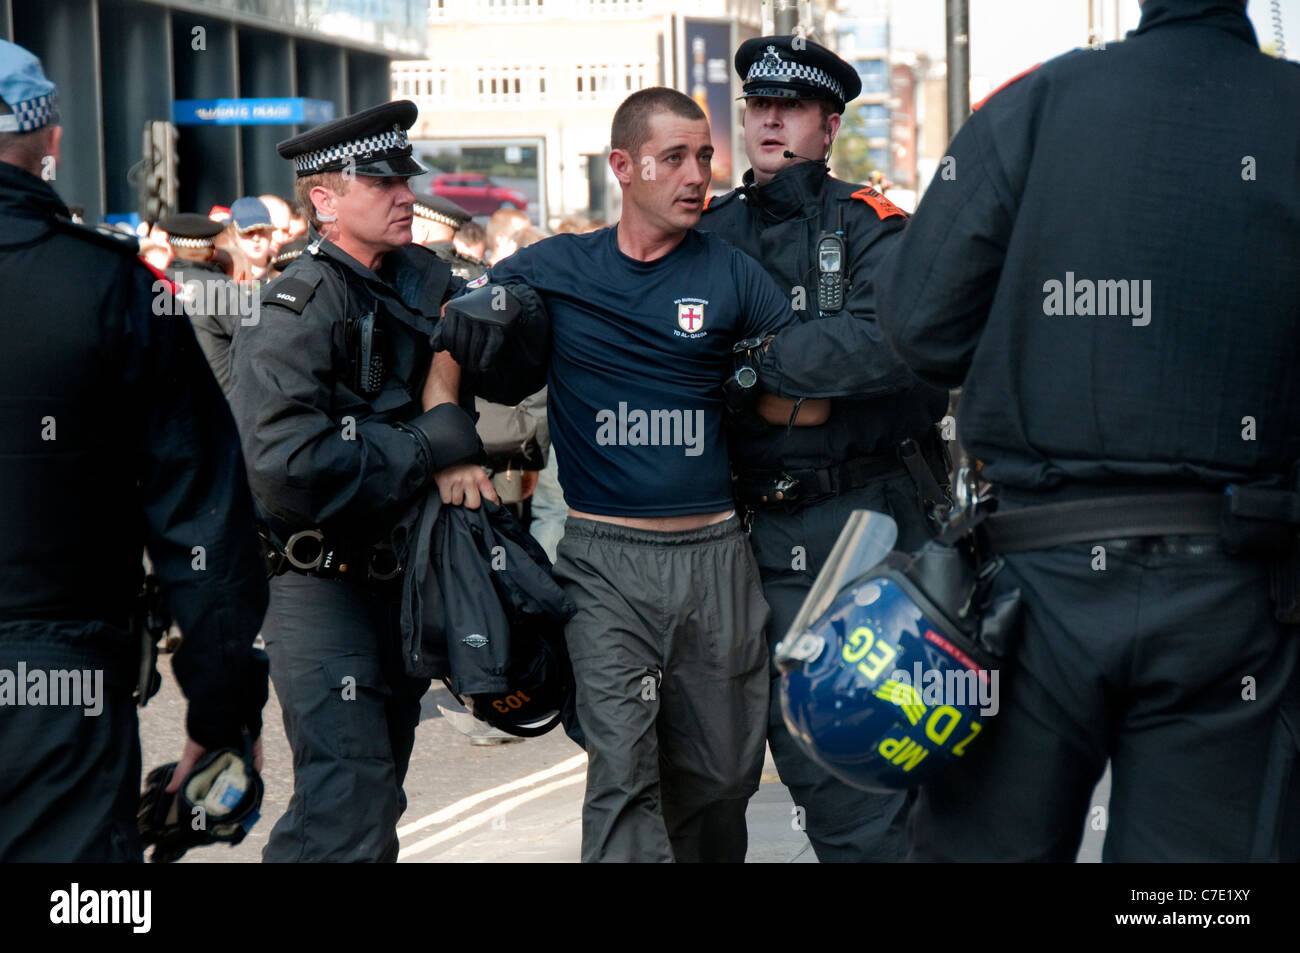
{"x": 472, "y": 577}
{"x": 117, "y": 438}
{"x": 1107, "y": 261}
{"x": 215, "y": 305}
{"x": 325, "y": 450}
{"x": 876, "y": 402}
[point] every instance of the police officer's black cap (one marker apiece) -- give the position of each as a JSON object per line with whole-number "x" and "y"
{"x": 289, "y": 252}
{"x": 371, "y": 142}
{"x": 790, "y": 67}
{"x": 435, "y": 208}
{"x": 190, "y": 230}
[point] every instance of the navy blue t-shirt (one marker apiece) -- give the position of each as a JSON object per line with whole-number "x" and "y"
{"x": 639, "y": 353}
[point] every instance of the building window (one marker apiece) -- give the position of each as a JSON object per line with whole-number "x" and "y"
{"x": 499, "y": 84}
{"x": 598, "y": 8}
{"x": 421, "y": 81}
{"x": 609, "y": 80}
{"x": 505, "y": 9}
{"x": 875, "y": 76}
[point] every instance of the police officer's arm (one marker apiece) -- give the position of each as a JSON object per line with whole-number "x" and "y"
{"x": 499, "y": 332}
{"x": 199, "y": 529}
{"x": 843, "y": 354}
{"x": 765, "y": 310}
{"x": 937, "y": 285}
{"x": 311, "y": 462}
{"x": 461, "y": 483}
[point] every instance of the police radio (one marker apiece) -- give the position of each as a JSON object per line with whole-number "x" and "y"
{"x": 830, "y": 269}
{"x": 830, "y": 272}
{"x": 365, "y": 344}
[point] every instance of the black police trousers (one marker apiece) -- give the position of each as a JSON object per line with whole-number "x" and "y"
{"x": 1164, "y": 659}
{"x": 69, "y": 759}
{"x": 844, "y": 824}
{"x": 350, "y": 712}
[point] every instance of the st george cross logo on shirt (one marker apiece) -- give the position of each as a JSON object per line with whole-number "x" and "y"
{"x": 690, "y": 314}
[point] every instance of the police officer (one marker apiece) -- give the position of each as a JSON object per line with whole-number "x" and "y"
{"x": 821, "y": 239}
{"x": 1119, "y": 373}
{"x": 327, "y": 389}
{"x": 437, "y": 221}
{"x": 117, "y": 438}
{"x": 209, "y": 296}
{"x": 287, "y": 254}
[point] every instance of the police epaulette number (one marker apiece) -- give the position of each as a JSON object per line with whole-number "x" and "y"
{"x": 291, "y": 293}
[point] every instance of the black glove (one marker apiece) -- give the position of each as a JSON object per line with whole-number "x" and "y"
{"x": 218, "y": 716}
{"x": 474, "y": 326}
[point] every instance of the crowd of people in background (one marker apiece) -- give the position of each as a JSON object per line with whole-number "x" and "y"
{"x": 261, "y": 234}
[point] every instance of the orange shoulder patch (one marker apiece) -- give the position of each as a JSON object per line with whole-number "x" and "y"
{"x": 882, "y": 206}
{"x": 1014, "y": 79}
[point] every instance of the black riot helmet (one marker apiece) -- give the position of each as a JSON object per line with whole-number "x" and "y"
{"x": 540, "y": 688}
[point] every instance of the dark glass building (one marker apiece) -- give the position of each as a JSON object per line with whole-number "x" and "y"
{"x": 121, "y": 63}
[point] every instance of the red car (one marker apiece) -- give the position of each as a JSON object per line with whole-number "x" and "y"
{"x": 475, "y": 193}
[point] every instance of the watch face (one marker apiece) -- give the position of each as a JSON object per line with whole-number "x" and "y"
{"x": 828, "y": 257}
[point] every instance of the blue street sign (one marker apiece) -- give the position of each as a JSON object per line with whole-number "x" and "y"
{"x": 251, "y": 112}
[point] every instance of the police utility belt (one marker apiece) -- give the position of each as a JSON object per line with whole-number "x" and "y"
{"x": 311, "y": 553}
{"x": 1253, "y": 521}
{"x": 765, "y": 489}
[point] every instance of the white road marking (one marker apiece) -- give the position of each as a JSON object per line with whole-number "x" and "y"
{"x": 464, "y": 804}
{"x": 483, "y": 817}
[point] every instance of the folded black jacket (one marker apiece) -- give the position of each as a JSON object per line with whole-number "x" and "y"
{"x": 472, "y": 577}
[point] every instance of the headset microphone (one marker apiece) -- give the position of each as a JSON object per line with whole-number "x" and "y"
{"x": 790, "y": 155}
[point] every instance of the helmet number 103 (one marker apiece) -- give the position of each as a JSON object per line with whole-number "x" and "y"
{"x": 511, "y": 701}
{"x": 871, "y": 657}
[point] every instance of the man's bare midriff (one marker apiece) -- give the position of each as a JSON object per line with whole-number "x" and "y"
{"x": 658, "y": 524}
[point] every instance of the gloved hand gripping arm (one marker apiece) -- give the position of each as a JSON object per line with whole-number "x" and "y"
{"x": 500, "y": 335}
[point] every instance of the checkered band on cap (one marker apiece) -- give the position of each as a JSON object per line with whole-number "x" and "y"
{"x": 180, "y": 241}
{"x": 322, "y": 158}
{"x": 433, "y": 215}
{"x": 772, "y": 66}
{"x": 31, "y": 115}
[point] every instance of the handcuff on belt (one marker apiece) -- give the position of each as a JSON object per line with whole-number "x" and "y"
{"x": 307, "y": 552}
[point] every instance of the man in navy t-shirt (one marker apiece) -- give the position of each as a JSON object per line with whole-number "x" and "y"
{"x": 639, "y": 350}
{"x": 667, "y": 644}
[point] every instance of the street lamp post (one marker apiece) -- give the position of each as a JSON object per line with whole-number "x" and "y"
{"x": 958, "y": 64}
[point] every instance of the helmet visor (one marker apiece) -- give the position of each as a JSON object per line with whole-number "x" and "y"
{"x": 867, "y": 538}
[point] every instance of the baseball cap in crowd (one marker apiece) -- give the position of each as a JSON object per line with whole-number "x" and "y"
{"x": 249, "y": 213}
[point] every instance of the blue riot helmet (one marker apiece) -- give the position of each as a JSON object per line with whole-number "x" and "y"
{"x": 891, "y": 670}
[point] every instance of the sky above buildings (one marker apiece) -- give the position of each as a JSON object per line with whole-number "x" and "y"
{"x": 1008, "y": 36}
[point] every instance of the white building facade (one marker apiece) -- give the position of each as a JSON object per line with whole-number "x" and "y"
{"x": 557, "y": 69}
